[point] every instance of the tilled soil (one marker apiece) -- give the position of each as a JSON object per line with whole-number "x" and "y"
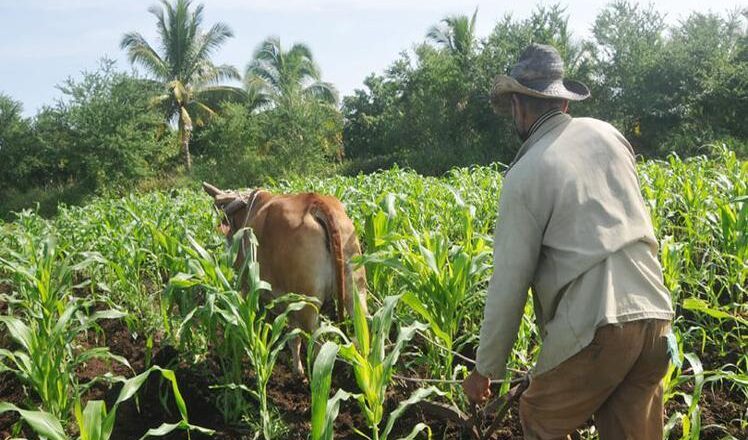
{"x": 287, "y": 393}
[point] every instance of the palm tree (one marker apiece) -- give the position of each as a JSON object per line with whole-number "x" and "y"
{"x": 183, "y": 66}
{"x": 456, "y": 33}
{"x": 277, "y": 77}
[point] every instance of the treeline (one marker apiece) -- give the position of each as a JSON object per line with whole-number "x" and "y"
{"x": 667, "y": 88}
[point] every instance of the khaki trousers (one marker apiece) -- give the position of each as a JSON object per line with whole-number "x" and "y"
{"x": 617, "y": 378}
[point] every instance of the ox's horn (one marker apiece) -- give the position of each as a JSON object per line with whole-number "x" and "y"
{"x": 211, "y": 190}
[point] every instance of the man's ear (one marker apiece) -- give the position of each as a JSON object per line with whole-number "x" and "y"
{"x": 514, "y": 105}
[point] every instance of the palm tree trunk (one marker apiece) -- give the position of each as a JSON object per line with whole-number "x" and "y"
{"x": 184, "y": 138}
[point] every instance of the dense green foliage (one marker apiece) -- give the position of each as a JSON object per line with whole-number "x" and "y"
{"x": 101, "y": 134}
{"x": 138, "y": 253}
{"x": 667, "y": 88}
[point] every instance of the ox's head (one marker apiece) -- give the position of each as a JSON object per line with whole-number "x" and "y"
{"x": 233, "y": 207}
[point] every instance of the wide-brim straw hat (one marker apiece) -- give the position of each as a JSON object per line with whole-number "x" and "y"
{"x": 540, "y": 73}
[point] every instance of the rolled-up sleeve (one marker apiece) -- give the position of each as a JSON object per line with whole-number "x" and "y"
{"x": 517, "y": 241}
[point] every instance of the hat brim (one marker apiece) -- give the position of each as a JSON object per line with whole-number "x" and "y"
{"x": 505, "y": 85}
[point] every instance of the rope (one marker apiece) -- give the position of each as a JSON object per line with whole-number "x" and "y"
{"x": 253, "y": 197}
{"x": 453, "y": 353}
{"x": 452, "y": 381}
{"x": 456, "y": 354}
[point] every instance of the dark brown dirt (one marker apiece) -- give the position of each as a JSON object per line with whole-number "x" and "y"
{"x": 721, "y": 412}
{"x": 286, "y": 393}
{"x": 11, "y": 391}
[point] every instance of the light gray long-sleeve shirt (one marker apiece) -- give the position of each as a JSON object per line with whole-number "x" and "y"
{"x": 573, "y": 225}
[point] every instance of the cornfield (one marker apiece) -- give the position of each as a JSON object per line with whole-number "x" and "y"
{"x": 99, "y": 297}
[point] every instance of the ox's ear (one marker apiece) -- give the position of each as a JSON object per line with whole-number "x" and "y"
{"x": 211, "y": 190}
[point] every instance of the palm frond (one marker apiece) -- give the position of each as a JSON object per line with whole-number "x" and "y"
{"x": 256, "y": 100}
{"x": 163, "y": 31}
{"x": 202, "y": 49}
{"x": 213, "y": 96}
{"x": 140, "y": 52}
{"x": 323, "y": 92}
{"x": 455, "y": 33}
{"x": 264, "y": 71}
{"x": 200, "y": 113}
{"x": 207, "y": 73}
{"x": 440, "y": 35}
{"x": 269, "y": 50}
{"x": 261, "y": 95}
{"x": 275, "y": 76}
{"x": 165, "y": 104}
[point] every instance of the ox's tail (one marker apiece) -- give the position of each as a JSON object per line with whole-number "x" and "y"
{"x": 324, "y": 214}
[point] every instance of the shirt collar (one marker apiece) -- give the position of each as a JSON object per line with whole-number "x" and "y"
{"x": 544, "y": 117}
{"x": 538, "y": 129}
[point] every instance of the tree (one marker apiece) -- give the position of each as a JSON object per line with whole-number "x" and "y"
{"x": 184, "y": 66}
{"x": 23, "y": 162}
{"x": 100, "y": 135}
{"x": 279, "y": 77}
{"x": 430, "y": 110}
{"x": 630, "y": 70}
{"x": 456, "y": 33}
{"x": 707, "y": 63}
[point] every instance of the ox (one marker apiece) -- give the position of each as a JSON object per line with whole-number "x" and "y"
{"x": 305, "y": 245}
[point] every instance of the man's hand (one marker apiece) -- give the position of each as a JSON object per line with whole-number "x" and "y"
{"x": 477, "y": 387}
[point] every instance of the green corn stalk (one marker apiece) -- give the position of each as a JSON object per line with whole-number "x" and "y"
{"x": 697, "y": 206}
{"x": 261, "y": 339}
{"x": 677, "y": 376}
{"x": 441, "y": 281}
{"x": 373, "y": 366}
{"x": 195, "y": 294}
{"x": 236, "y": 321}
{"x": 324, "y": 410}
{"x": 47, "y": 326}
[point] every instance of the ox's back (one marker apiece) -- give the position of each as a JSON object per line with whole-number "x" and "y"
{"x": 297, "y": 236}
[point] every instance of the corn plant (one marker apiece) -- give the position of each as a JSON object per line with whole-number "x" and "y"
{"x": 677, "y": 376}
{"x": 261, "y": 338}
{"x": 136, "y": 243}
{"x": 94, "y": 422}
{"x": 47, "y": 326}
{"x": 440, "y": 280}
{"x": 373, "y": 367}
{"x": 324, "y": 410}
{"x": 237, "y": 322}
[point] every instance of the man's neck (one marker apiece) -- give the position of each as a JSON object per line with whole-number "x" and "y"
{"x": 541, "y": 119}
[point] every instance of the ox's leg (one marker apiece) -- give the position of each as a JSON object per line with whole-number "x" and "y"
{"x": 306, "y": 319}
{"x": 297, "y": 365}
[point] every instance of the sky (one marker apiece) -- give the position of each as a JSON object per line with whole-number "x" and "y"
{"x": 43, "y": 42}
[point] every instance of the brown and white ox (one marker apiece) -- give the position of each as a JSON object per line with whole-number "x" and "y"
{"x": 305, "y": 245}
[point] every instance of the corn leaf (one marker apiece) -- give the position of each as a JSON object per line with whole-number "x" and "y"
{"x": 417, "y": 396}
{"x": 41, "y": 422}
{"x": 321, "y": 379}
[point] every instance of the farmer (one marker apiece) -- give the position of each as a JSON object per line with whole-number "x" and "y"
{"x": 572, "y": 225}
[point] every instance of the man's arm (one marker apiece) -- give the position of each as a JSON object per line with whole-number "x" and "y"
{"x": 517, "y": 243}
